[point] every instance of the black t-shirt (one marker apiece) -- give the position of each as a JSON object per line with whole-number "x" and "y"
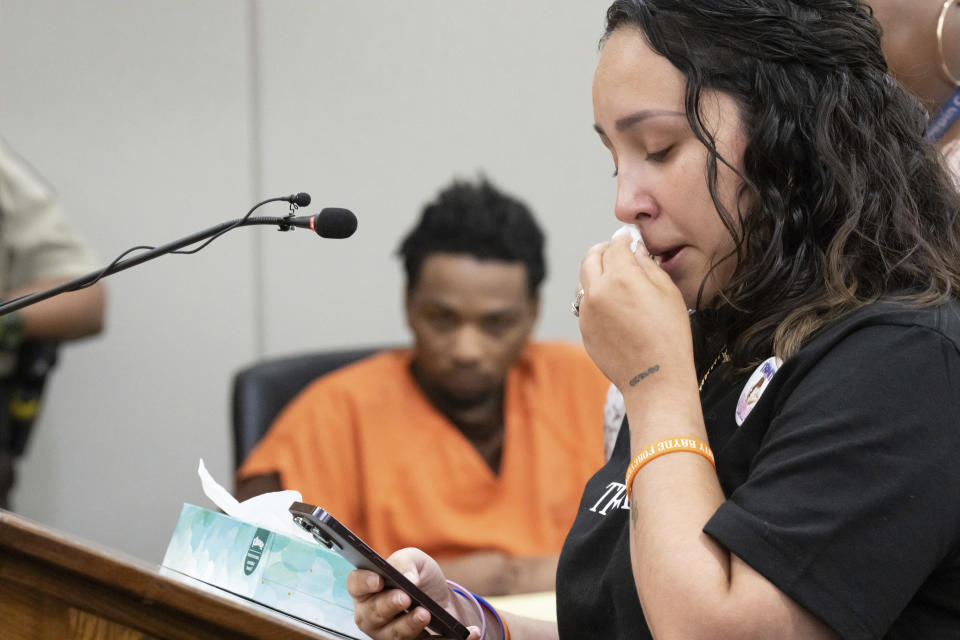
{"x": 842, "y": 486}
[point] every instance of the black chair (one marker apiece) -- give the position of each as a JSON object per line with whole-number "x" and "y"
{"x": 262, "y": 390}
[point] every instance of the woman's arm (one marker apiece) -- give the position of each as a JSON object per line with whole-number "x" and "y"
{"x": 635, "y": 327}
{"x": 689, "y": 585}
{"x": 525, "y": 628}
{"x": 495, "y": 573}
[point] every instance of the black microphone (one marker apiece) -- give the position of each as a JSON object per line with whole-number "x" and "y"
{"x": 331, "y": 222}
{"x": 300, "y": 199}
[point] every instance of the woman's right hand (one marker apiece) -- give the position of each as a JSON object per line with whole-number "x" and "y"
{"x": 380, "y": 614}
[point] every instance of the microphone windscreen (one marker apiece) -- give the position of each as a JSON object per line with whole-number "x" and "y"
{"x": 301, "y": 199}
{"x": 334, "y": 222}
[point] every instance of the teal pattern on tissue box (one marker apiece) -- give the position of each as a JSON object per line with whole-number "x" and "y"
{"x": 299, "y": 578}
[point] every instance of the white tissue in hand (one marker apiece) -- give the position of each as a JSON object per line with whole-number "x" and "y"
{"x": 636, "y": 240}
{"x": 633, "y": 232}
{"x": 268, "y": 510}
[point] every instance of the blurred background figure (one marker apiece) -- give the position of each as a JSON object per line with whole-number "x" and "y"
{"x": 475, "y": 443}
{"x": 38, "y": 251}
{"x": 921, "y": 41}
{"x": 117, "y": 111}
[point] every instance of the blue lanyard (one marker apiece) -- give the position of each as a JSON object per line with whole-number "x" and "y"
{"x": 948, "y": 114}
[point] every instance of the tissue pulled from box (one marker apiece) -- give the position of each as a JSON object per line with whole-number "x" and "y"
{"x": 268, "y": 510}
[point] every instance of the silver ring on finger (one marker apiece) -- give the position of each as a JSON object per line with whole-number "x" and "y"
{"x": 575, "y": 305}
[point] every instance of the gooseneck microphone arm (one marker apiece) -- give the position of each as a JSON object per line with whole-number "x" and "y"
{"x": 331, "y": 223}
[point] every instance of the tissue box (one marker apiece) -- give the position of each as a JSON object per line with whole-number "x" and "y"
{"x": 302, "y": 579}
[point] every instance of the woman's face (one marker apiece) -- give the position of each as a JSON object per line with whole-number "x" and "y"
{"x": 638, "y": 106}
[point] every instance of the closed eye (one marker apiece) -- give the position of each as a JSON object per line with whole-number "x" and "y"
{"x": 659, "y": 156}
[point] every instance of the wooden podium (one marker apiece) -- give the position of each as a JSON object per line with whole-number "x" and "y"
{"x": 52, "y": 586}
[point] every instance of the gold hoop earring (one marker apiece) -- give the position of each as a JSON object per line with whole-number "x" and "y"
{"x": 943, "y": 59}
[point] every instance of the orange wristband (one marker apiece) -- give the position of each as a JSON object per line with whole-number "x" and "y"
{"x": 662, "y": 447}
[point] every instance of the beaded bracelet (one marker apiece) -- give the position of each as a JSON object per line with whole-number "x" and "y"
{"x": 661, "y": 447}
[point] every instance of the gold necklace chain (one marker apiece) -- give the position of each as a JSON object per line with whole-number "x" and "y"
{"x": 720, "y": 356}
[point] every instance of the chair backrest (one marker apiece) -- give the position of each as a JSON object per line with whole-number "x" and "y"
{"x": 262, "y": 390}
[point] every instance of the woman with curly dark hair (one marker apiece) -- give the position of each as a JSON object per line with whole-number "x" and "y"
{"x": 787, "y": 468}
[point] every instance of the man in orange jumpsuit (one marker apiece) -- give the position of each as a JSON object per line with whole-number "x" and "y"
{"x": 475, "y": 443}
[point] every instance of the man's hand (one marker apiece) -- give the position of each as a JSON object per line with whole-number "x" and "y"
{"x": 250, "y": 486}
{"x": 492, "y": 573}
{"x": 67, "y": 316}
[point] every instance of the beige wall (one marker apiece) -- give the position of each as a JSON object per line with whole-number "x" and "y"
{"x": 156, "y": 118}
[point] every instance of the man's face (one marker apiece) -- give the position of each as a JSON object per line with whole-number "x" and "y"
{"x": 470, "y": 319}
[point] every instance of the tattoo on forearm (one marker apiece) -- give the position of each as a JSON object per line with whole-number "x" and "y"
{"x": 643, "y": 374}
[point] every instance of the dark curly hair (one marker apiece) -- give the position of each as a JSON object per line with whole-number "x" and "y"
{"x": 845, "y": 201}
{"x": 480, "y": 221}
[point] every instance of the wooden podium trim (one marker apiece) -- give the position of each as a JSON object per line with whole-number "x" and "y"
{"x": 68, "y": 574}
